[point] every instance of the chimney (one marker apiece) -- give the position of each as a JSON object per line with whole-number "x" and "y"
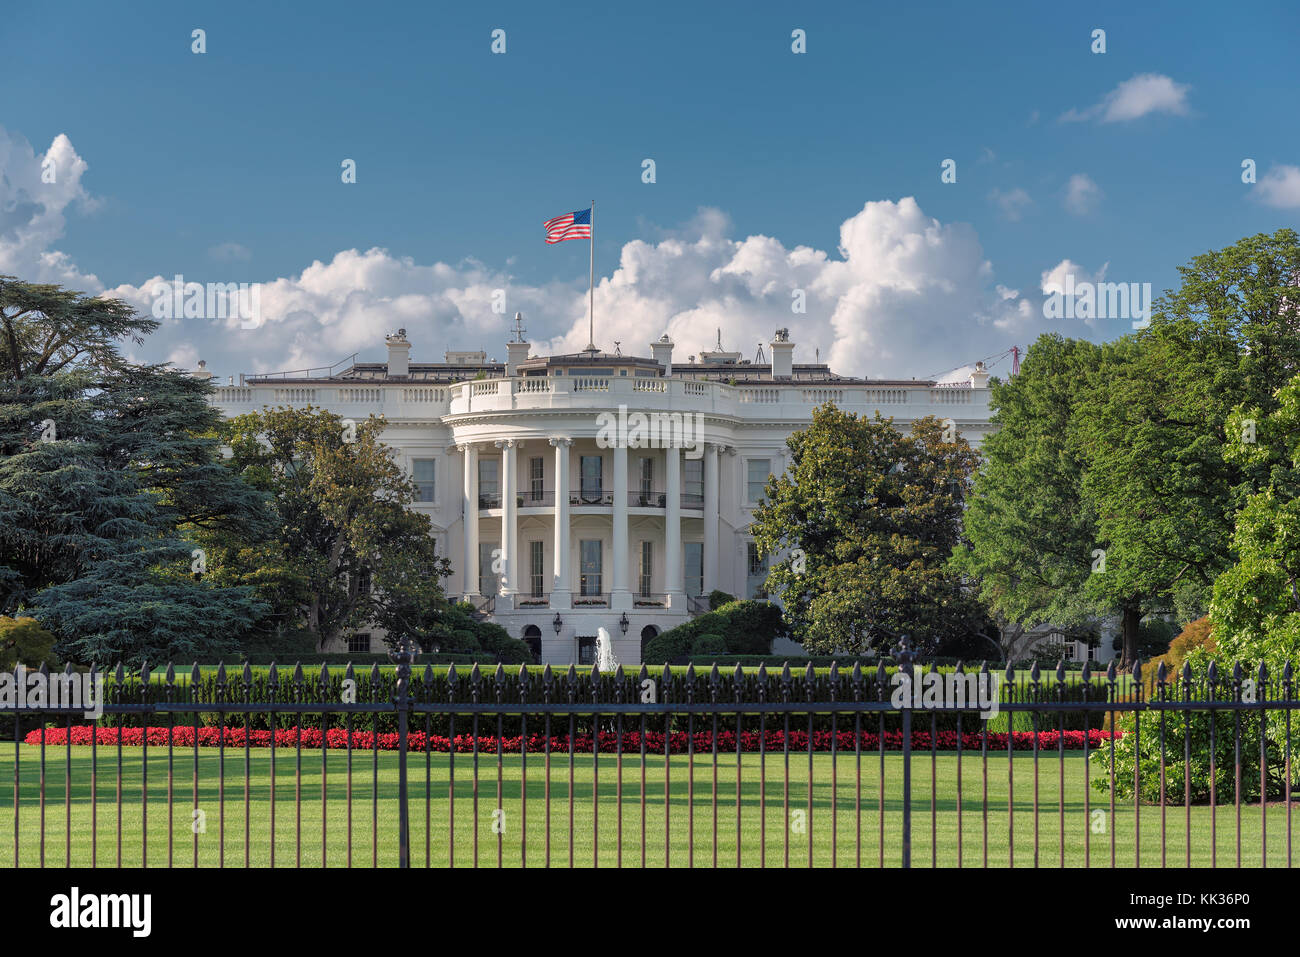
{"x": 202, "y": 371}
{"x": 399, "y": 354}
{"x": 662, "y": 351}
{"x": 979, "y": 379}
{"x": 782, "y": 354}
{"x": 516, "y": 352}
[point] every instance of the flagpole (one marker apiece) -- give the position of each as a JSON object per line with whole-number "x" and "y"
{"x": 591, "y": 285}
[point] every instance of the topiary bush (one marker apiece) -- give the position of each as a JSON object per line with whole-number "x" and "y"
{"x": 669, "y": 645}
{"x": 709, "y": 645}
{"x": 718, "y": 598}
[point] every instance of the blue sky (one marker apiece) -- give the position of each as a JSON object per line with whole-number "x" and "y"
{"x": 225, "y": 166}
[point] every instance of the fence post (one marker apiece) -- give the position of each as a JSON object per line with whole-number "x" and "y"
{"x": 905, "y": 657}
{"x": 403, "y": 657}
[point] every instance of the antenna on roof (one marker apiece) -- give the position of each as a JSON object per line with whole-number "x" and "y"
{"x": 519, "y": 327}
{"x": 758, "y": 359}
{"x": 618, "y": 351}
{"x": 719, "y": 339}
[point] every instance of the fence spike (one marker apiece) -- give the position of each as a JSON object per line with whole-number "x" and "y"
{"x": 169, "y": 676}
{"x": 144, "y": 672}
{"x": 961, "y": 668}
{"x": 713, "y": 675}
{"x": 835, "y": 672}
{"x": 248, "y": 674}
{"x": 119, "y": 674}
{"x": 1187, "y": 673}
{"x": 1161, "y": 673}
{"x": 1137, "y": 670}
{"x": 475, "y": 676}
{"x": 1263, "y": 676}
{"x": 690, "y": 673}
{"x": 1060, "y": 673}
{"x": 451, "y": 673}
{"x": 984, "y": 666}
{"x": 221, "y": 671}
{"x": 1286, "y": 671}
{"x": 297, "y": 673}
{"x": 428, "y": 675}
{"x": 644, "y": 675}
{"x": 762, "y": 673}
{"x": 1212, "y": 673}
{"x": 547, "y": 676}
{"x": 1236, "y": 672}
{"x": 1010, "y": 674}
{"x": 1086, "y": 674}
{"x": 501, "y": 673}
{"x": 1035, "y": 674}
{"x": 374, "y": 673}
{"x": 324, "y": 675}
{"x": 274, "y": 678}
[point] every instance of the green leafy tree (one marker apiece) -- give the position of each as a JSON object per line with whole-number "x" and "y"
{"x": 103, "y": 463}
{"x": 350, "y": 550}
{"x": 874, "y": 515}
{"x": 1152, "y": 422}
{"x": 1028, "y": 532}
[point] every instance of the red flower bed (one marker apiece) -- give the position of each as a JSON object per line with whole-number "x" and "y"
{"x": 184, "y": 737}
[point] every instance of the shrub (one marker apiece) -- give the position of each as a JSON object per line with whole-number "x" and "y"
{"x": 709, "y": 645}
{"x": 749, "y": 627}
{"x": 718, "y": 598}
{"x": 24, "y": 641}
{"x": 497, "y": 642}
{"x": 669, "y": 645}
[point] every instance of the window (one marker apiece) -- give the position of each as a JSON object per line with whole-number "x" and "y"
{"x": 589, "y": 560}
{"x": 359, "y": 644}
{"x": 647, "y": 568}
{"x": 647, "y": 480}
{"x": 693, "y": 482}
{"x": 603, "y": 370}
{"x": 757, "y": 572}
{"x": 586, "y": 649}
{"x": 363, "y": 582}
{"x": 536, "y": 568}
{"x": 488, "y": 580}
{"x": 489, "y": 483}
{"x": 756, "y": 473}
{"x": 422, "y": 472}
{"x": 536, "y": 478}
{"x": 591, "y": 488}
{"x": 694, "y": 568}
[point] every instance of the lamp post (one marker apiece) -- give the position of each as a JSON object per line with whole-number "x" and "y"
{"x": 623, "y": 623}
{"x": 558, "y": 623}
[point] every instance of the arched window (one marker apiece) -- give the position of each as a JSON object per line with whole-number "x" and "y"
{"x": 647, "y": 633}
{"x": 533, "y": 638}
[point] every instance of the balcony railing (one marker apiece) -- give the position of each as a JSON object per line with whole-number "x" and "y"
{"x": 647, "y": 499}
{"x": 591, "y": 496}
{"x": 489, "y": 499}
{"x": 536, "y": 498}
{"x": 649, "y": 600}
{"x": 692, "y": 500}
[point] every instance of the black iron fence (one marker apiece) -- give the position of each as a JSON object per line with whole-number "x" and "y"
{"x": 535, "y": 767}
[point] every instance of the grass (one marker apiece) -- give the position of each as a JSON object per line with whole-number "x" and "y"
{"x": 374, "y": 811}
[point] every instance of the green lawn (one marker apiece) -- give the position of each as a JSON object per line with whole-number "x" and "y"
{"x": 818, "y": 824}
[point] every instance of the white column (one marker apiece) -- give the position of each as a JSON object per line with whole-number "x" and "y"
{"x": 710, "y": 517}
{"x": 561, "y": 587}
{"x": 674, "y": 584}
{"x": 509, "y": 515}
{"x": 620, "y": 595}
{"x": 469, "y": 499}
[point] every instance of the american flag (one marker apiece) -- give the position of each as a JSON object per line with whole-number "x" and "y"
{"x": 569, "y": 226}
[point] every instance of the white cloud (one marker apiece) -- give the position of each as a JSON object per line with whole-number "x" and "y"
{"x": 1280, "y": 187}
{"x": 33, "y": 210}
{"x": 1082, "y": 194}
{"x": 903, "y": 295}
{"x": 1134, "y": 98}
{"x": 1012, "y": 204}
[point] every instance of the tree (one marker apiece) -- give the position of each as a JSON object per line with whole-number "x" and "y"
{"x": 1028, "y": 532}
{"x": 102, "y": 462}
{"x": 1151, "y": 421}
{"x": 343, "y": 528}
{"x": 874, "y": 515}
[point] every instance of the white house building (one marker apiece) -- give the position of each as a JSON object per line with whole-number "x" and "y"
{"x": 555, "y": 522}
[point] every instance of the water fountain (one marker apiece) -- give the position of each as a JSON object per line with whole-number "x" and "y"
{"x": 605, "y": 658}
